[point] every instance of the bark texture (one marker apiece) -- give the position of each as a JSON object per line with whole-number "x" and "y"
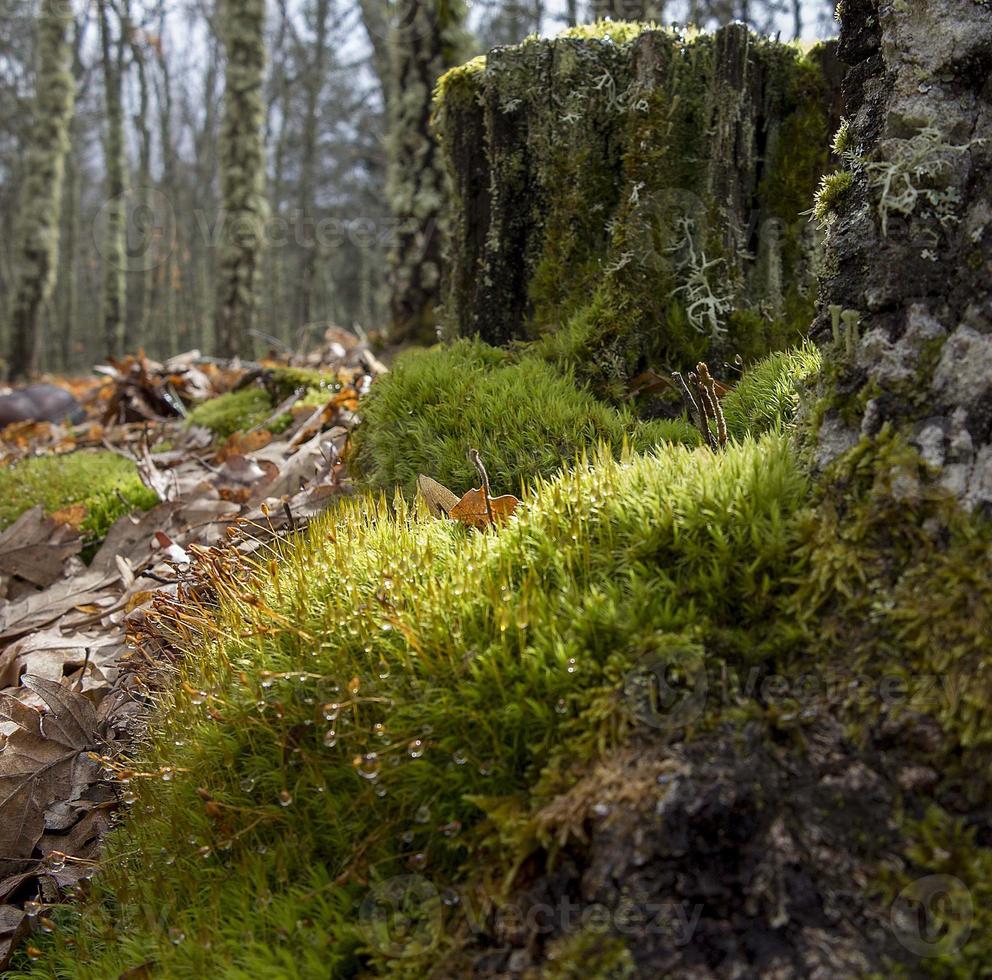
{"x": 641, "y": 186}
{"x": 427, "y": 37}
{"x": 909, "y": 246}
{"x": 242, "y": 165}
{"x": 38, "y": 233}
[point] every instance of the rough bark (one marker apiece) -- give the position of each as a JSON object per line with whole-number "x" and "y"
{"x": 38, "y": 234}
{"x": 645, "y": 185}
{"x": 910, "y": 243}
{"x": 242, "y": 155}
{"x": 427, "y": 38}
{"x": 112, "y": 243}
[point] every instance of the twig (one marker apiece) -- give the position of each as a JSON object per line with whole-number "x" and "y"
{"x": 473, "y": 455}
{"x": 708, "y": 385}
{"x": 692, "y": 408}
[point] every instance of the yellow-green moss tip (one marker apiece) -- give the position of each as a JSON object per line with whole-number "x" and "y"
{"x": 842, "y": 138}
{"x": 832, "y": 188}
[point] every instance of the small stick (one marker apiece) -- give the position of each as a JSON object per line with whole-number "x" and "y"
{"x": 707, "y": 382}
{"x": 708, "y": 415}
{"x": 692, "y": 409}
{"x": 289, "y": 516}
{"x": 473, "y": 455}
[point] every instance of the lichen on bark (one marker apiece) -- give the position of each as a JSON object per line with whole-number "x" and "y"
{"x": 909, "y": 245}
{"x": 639, "y": 189}
{"x": 38, "y": 221}
{"x": 244, "y": 206}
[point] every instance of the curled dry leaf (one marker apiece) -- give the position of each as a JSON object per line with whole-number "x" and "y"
{"x": 474, "y": 509}
{"x": 44, "y": 762}
{"x": 439, "y": 499}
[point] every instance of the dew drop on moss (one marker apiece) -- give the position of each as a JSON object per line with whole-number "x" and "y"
{"x": 416, "y": 748}
{"x": 330, "y": 738}
{"x": 285, "y": 797}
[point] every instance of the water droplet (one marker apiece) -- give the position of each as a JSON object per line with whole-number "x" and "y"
{"x": 285, "y": 797}
{"x": 176, "y": 936}
{"x": 129, "y": 798}
{"x": 380, "y": 791}
{"x": 417, "y": 860}
{"x": 369, "y": 766}
{"x": 459, "y": 758}
{"x": 55, "y": 862}
{"x": 450, "y": 897}
{"x": 248, "y": 784}
{"x": 561, "y": 707}
{"x": 330, "y": 738}
{"x": 379, "y": 730}
{"x": 406, "y": 837}
{"x": 331, "y": 711}
{"x": 198, "y": 697}
{"x": 451, "y": 829}
{"x": 166, "y": 775}
{"x": 205, "y": 851}
{"x": 385, "y": 627}
{"x": 572, "y": 665}
{"x": 416, "y": 748}
{"x": 46, "y": 924}
{"x": 31, "y": 909}
{"x": 423, "y": 814}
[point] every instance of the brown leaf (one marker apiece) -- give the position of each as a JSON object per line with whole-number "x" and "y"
{"x": 13, "y": 928}
{"x": 472, "y": 509}
{"x": 39, "y": 770}
{"x": 35, "y": 548}
{"x": 439, "y": 499}
{"x": 31, "y": 612}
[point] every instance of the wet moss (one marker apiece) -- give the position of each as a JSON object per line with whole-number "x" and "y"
{"x": 105, "y": 484}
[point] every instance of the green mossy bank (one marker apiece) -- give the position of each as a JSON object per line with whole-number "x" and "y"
{"x": 106, "y": 484}
{"x": 642, "y": 190}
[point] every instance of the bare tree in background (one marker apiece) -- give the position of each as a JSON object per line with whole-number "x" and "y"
{"x": 428, "y": 37}
{"x": 38, "y": 235}
{"x": 242, "y": 163}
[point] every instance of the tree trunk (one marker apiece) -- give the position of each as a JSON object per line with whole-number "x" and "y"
{"x": 114, "y": 211}
{"x": 909, "y": 242}
{"x": 646, "y": 195}
{"x": 427, "y": 38}
{"x": 308, "y": 164}
{"x": 37, "y": 251}
{"x": 242, "y": 162}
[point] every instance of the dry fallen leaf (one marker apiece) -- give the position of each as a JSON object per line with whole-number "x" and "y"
{"x": 42, "y": 763}
{"x": 439, "y": 499}
{"x": 472, "y": 509}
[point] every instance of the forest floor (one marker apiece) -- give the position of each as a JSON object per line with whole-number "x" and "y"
{"x": 87, "y": 560}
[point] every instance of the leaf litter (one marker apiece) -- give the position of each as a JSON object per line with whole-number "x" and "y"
{"x": 80, "y": 654}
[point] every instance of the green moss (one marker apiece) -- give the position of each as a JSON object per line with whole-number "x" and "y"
{"x": 591, "y": 952}
{"x": 526, "y": 418}
{"x": 237, "y": 411}
{"x": 106, "y": 484}
{"x": 605, "y": 218}
{"x": 832, "y": 188}
{"x": 496, "y": 652}
{"x": 767, "y": 396}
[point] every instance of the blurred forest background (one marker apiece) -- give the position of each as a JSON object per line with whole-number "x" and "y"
{"x": 236, "y": 175}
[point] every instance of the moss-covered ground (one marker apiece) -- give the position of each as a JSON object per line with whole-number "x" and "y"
{"x": 391, "y": 694}
{"x": 105, "y": 484}
{"x": 252, "y": 407}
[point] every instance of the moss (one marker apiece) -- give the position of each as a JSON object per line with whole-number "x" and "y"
{"x": 106, "y": 484}
{"x": 237, "y": 411}
{"x": 526, "y": 418}
{"x": 448, "y": 668}
{"x": 832, "y": 188}
{"x": 590, "y": 952}
{"x": 767, "y": 396}
{"x": 592, "y": 183}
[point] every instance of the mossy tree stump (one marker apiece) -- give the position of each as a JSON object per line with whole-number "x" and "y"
{"x": 641, "y": 188}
